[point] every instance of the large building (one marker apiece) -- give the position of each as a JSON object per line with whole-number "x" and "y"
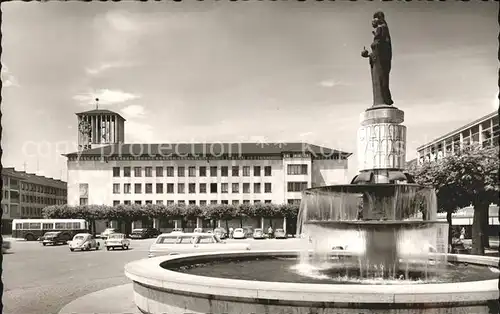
{"x": 484, "y": 131}
{"x": 26, "y": 194}
{"x": 109, "y": 172}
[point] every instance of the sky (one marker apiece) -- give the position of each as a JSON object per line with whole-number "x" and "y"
{"x": 218, "y": 71}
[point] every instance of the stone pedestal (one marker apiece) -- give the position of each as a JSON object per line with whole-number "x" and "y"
{"x": 382, "y": 142}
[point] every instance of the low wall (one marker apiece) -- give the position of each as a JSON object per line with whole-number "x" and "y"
{"x": 157, "y": 290}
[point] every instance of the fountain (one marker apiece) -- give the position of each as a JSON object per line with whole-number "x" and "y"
{"x": 372, "y": 246}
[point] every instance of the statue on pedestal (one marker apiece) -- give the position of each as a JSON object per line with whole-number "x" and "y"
{"x": 380, "y": 60}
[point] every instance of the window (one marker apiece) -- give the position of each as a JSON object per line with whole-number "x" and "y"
{"x": 181, "y": 188}
{"x": 296, "y": 169}
{"x": 84, "y": 201}
{"x": 159, "y": 188}
{"x": 181, "y": 202}
{"x": 203, "y": 203}
{"x": 203, "y": 171}
{"x": 137, "y": 188}
{"x": 116, "y": 203}
{"x": 267, "y": 187}
{"x": 138, "y": 202}
{"x": 296, "y": 186}
{"x": 192, "y": 171}
{"x": 224, "y": 171}
{"x": 267, "y": 202}
{"x": 293, "y": 201}
{"x": 59, "y": 225}
{"x": 149, "y": 202}
{"x": 205, "y": 240}
{"x": 213, "y": 202}
{"x": 256, "y": 171}
{"x": 213, "y": 171}
{"x": 126, "y": 202}
{"x": 170, "y": 203}
{"x": 149, "y": 188}
{"x": 235, "y": 188}
{"x": 47, "y": 226}
{"x": 256, "y": 187}
{"x": 170, "y": 188}
{"x": 256, "y": 201}
{"x": 170, "y": 171}
{"x": 224, "y": 202}
{"x": 246, "y": 187}
{"x": 235, "y": 171}
{"x": 159, "y": 202}
{"x": 116, "y": 188}
{"x": 181, "y": 171}
{"x": 159, "y": 171}
{"x": 203, "y": 188}
{"x": 126, "y": 188}
{"x": 137, "y": 172}
{"x": 246, "y": 201}
{"x": 235, "y": 202}
{"x": 192, "y": 187}
{"x": 224, "y": 187}
{"x": 148, "y": 171}
{"x": 213, "y": 187}
{"x": 192, "y": 202}
{"x": 267, "y": 171}
{"x": 246, "y": 171}
{"x": 116, "y": 171}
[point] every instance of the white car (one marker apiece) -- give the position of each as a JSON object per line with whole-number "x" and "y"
{"x": 83, "y": 242}
{"x": 171, "y": 244}
{"x": 239, "y": 233}
{"x": 117, "y": 240}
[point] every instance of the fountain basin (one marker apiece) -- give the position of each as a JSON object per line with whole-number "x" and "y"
{"x": 159, "y": 290}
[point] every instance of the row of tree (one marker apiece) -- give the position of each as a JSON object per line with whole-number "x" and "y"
{"x": 469, "y": 177}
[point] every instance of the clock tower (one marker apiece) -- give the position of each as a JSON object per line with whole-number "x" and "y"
{"x": 99, "y": 127}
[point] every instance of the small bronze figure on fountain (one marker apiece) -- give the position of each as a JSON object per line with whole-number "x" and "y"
{"x": 380, "y": 60}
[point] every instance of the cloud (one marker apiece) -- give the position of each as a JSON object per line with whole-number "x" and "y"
{"x": 139, "y": 132}
{"x": 305, "y": 134}
{"x": 329, "y": 83}
{"x": 106, "y": 66}
{"x": 134, "y": 111}
{"x": 8, "y": 80}
{"x": 121, "y": 21}
{"x": 106, "y": 96}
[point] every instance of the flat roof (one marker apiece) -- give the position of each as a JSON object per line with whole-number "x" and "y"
{"x": 208, "y": 149}
{"x": 96, "y": 112}
{"x": 460, "y": 129}
{"x": 34, "y": 178}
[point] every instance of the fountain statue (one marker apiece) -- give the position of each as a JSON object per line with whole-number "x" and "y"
{"x": 372, "y": 246}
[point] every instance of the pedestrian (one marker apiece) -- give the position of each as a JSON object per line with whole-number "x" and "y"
{"x": 462, "y": 234}
{"x": 270, "y": 232}
{"x": 231, "y": 232}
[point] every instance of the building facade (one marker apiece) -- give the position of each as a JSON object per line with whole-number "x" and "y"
{"x": 26, "y": 194}
{"x": 484, "y": 131}
{"x": 238, "y": 173}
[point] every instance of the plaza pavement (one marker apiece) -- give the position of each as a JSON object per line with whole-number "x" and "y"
{"x": 40, "y": 279}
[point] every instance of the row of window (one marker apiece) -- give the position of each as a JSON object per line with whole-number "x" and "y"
{"x": 41, "y": 200}
{"x": 202, "y": 171}
{"x": 181, "y": 188}
{"x": 42, "y": 189}
{"x": 182, "y": 202}
{"x": 31, "y": 212}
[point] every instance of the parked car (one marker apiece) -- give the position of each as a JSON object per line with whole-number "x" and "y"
{"x": 258, "y": 234}
{"x": 239, "y": 233}
{"x": 117, "y": 240}
{"x": 53, "y": 238}
{"x": 279, "y": 234}
{"x": 104, "y": 235}
{"x": 172, "y": 244}
{"x": 176, "y": 230}
{"x": 220, "y": 232}
{"x": 83, "y": 242}
{"x": 144, "y": 233}
{"x": 5, "y": 246}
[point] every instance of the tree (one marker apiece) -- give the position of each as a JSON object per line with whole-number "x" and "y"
{"x": 468, "y": 177}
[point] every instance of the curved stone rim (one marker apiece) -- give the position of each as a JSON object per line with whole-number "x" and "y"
{"x": 148, "y": 272}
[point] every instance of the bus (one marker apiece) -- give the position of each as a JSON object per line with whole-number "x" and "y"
{"x": 33, "y": 229}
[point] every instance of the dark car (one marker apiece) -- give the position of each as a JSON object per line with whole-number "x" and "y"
{"x": 144, "y": 233}
{"x": 53, "y": 238}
